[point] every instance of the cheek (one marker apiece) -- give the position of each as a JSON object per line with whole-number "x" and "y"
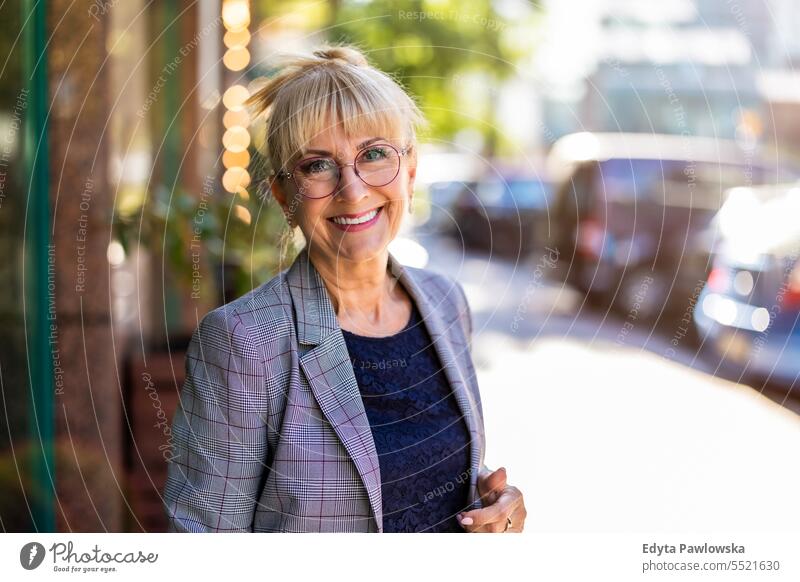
{"x": 312, "y": 215}
{"x": 399, "y": 198}
{"x": 395, "y": 214}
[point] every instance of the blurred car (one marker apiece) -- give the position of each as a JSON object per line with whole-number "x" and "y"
{"x": 441, "y": 196}
{"x": 631, "y": 213}
{"x": 749, "y": 311}
{"x": 504, "y": 216}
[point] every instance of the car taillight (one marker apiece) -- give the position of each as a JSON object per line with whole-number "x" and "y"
{"x": 590, "y": 238}
{"x": 718, "y": 279}
{"x": 791, "y": 297}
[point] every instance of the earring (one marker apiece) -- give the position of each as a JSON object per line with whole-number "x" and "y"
{"x": 411, "y": 206}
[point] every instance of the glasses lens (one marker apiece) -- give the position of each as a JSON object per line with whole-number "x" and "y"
{"x": 378, "y": 165}
{"x": 317, "y": 177}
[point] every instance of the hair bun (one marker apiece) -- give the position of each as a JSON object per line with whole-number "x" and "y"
{"x": 342, "y": 53}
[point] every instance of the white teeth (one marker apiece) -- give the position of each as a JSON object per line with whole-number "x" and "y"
{"x": 366, "y": 218}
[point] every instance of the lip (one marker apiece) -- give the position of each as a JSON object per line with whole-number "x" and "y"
{"x": 357, "y": 227}
{"x": 356, "y": 215}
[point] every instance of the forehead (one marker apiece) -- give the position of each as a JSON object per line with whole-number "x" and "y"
{"x": 336, "y": 137}
{"x": 337, "y": 142}
{"x": 347, "y": 135}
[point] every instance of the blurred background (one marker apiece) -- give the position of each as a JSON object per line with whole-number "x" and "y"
{"x": 615, "y": 182}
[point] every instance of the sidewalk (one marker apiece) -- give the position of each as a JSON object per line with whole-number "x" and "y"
{"x": 611, "y": 439}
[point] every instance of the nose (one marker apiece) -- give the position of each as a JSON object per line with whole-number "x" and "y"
{"x": 351, "y": 187}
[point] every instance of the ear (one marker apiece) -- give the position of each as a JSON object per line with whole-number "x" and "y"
{"x": 281, "y": 195}
{"x": 278, "y": 192}
{"x": 412, "y": 171}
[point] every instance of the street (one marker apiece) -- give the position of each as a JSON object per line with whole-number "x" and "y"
{"x": 603, "y": 426}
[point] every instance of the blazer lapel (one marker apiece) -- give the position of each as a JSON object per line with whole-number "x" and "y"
{"x": 326, "y": 363}
{"x": 440, "y": 332}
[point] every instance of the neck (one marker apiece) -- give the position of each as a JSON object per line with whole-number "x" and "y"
{"x": 363, "y": 289}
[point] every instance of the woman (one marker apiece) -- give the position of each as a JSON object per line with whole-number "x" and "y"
{"x": 340, "y": 395}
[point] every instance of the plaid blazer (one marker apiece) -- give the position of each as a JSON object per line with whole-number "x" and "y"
{"x": 271, "y": 435}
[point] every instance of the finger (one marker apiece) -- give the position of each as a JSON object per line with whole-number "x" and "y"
{"x": 471, "y": 527}
{"x": 492, "y": 485}
{"x": 501, "y": 525}
{"x": 467, "y": 522}
{"x": 489, "y": 514}
{"x": 490, "y": 498}
{"x": 504, "y": 506}
{"x": 496, "y": 480}
{"x": 518, "y": 520}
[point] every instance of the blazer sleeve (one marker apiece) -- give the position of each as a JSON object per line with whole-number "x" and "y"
{"x": 466, "y": 315}
{"x": 219, "y": 437}
{"x": 466, "y": 321}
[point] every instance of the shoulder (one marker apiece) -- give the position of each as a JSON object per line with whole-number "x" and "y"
{"x": 252, "y": 320}
{"x": 443, "y": 291}
{"x": 430, "y": 280}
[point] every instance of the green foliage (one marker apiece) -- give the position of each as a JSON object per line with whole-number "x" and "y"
{"x": 174, "y": 225}
{"x": 428, "y": 46}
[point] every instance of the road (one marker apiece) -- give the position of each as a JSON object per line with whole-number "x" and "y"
{"x": 610, "y": 426}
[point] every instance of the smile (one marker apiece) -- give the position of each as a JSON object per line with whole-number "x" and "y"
{"x": 351, "y": 222}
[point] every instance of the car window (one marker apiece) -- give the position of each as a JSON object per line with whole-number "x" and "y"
{"x": 513, "y": 193}
{"x": 527, "y": 194}
{"x": 621, "y": 179}
{"x": 700, "y": 184}
{"x": 674, "y": 182}
{"x": 444, "y": 193}
{"x": 490, "y": 193}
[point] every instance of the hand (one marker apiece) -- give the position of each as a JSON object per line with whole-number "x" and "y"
{"x": 500, "y": 501}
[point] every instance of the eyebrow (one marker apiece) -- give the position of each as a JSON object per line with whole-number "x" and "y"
{"x": 362, "y": 145}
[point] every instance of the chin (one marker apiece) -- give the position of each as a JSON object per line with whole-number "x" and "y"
{"x": 362, "y": 250}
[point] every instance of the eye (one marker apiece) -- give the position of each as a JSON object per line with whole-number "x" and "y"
{"x": 376, "y": 153}
{"x": 317, "y": 166}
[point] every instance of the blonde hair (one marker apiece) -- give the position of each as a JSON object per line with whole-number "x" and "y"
{"x": 335, "y": 85}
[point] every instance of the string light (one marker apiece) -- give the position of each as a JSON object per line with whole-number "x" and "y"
{"x": 236, "y": 14}
{"x": 236, "y": 58}
{"x": 236, "y": 38}
{"x": 242, "y": 214}
{"x": 236, "y": 139}
{"x": 235, "y": 96}
{"x": 239, "y": 117}
{"x": 231, "y": 159}
{"x": 235, "y": 178}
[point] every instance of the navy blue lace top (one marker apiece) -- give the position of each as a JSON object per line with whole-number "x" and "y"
{"x": 422, "y": 440}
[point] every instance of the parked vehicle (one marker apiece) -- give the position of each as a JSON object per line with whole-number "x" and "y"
{"x": 441, "y": 197}
{"x": 631, "y": 213}
{"x": 504, "y": 216}
{"x": 749, "y": 311}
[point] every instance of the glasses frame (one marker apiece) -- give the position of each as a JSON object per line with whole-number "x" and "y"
{"x": 400, "y": 153}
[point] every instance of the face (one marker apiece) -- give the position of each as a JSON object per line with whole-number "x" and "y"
{"x": 324, "y": 221}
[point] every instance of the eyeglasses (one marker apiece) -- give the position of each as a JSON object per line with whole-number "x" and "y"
{"x": 376, "y": 165}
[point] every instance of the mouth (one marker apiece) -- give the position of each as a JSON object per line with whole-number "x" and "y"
{"x": 355, "y": 222}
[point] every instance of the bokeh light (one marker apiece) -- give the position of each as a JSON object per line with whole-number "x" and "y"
{"x": 231, "y": 159}
{"x": 235, "y": 14}
{"x": 236, "y": 139}
{"x": 235, "y": 178}
{"x": 236, "y": 59}
{"x": 235, "y": 96}
{"x": 238, "y": 117}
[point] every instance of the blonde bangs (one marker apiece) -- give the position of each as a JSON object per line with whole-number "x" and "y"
{"x": 360, "y": 101}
